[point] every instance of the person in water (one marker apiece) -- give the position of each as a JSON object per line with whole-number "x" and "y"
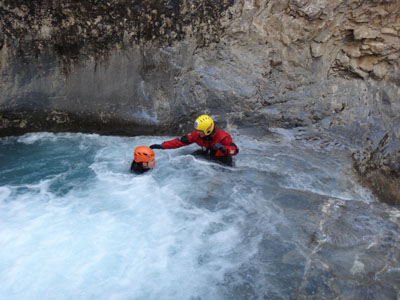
{"x": 216, "y": 143}
{"x": 144, "y": 159}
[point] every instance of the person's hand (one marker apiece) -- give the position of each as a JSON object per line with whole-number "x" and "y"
{"x": 156, "y": 146}
{"x": 219, "y": 147}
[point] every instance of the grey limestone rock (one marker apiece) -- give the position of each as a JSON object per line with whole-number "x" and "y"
{"x": 146, "y": 67}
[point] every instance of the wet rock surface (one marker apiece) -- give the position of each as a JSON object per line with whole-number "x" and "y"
{"x": 138, "y": 67}
{"x": 341, "y": 249}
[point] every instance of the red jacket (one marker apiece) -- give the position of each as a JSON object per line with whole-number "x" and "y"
{"x": 218, "y": 136}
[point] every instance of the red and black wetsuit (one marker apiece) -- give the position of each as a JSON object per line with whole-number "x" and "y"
{"x": 207, "y": 143}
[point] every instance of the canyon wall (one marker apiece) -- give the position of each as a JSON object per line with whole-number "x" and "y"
{"x": 150, "y": 67}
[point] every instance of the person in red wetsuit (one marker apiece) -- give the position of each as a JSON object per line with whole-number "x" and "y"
{"x": 216, "y": 143}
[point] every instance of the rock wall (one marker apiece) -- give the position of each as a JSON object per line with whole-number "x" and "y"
{"x": 144, "y": 67}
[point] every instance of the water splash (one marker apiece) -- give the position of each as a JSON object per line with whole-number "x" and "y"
{"x": 75, "y": 223}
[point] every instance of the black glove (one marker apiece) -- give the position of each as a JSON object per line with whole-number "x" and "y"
{"x": 156, "y": 146}
{"x": 219, "y": 147}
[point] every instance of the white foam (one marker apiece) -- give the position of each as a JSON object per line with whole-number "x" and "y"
{"x": 5, "y": 193}
{"x": 171, "y": 233}
{"x": 31, "y": 138}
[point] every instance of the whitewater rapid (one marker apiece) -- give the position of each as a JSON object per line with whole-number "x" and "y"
{"x": 289, "y": 220}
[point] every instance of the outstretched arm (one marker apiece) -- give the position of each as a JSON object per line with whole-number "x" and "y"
{"x": 175, "y": 143}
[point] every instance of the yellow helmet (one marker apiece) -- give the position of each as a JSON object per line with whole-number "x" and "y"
{"x": 205, "y": 124}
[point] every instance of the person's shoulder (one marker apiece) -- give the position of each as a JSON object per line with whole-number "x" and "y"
{"x": 137, "y": 168}
{"x": 193, "y": 134}
{"x": 221, "y": 132}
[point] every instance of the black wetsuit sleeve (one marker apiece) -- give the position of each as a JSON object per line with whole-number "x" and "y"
{"x": 185, "y": 140}
{"x": 137, "y": 168}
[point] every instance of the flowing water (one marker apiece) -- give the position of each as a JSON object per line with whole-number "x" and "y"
{"x": 288, "y": 221}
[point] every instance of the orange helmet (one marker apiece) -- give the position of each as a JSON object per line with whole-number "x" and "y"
{"x": 143, "y": 154}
